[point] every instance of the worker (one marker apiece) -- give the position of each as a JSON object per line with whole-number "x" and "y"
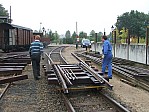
{"x": 107, "y": 57}
{"x": 36, "y": 51}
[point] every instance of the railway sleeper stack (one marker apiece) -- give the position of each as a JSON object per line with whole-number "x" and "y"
{"x": 72, "y": 77}
{"x": 11, "y": 67}
{"x": 126, "y": 69}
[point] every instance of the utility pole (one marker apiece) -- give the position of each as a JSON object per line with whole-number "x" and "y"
{"x": 40, "y": 27}
{"x": 77, "y": 38}
{"x": 128, "y": 44}
{"x": 76, "y": 28}
{"x": 95, "y": 42}
{"x": 10, "y": 14}
{"x": 147, "y": 33}
{"x": 114, "y": 41}
{"x": 104, "y": 32}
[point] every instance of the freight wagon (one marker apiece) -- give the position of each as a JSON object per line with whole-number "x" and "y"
{"x": 14, "y": 37}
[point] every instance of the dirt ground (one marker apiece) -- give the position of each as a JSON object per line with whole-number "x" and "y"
{"x": 135, "y": 98}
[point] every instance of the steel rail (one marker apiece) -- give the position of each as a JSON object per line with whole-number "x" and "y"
{"x": 89, "y": 69}
{"x": 6, "y": 88}
{"x": 68, "y": 104}
{"x": 121, "y": 73}
{"x": 75, "y": 77}
{"x": 131, "y": 79}
{"x": 49, "y": 60}
{"x": 64, "y": 76}
{"x": 65, "y": 89}
{"x": 62, "y": 81}
{"x": 62, "y": 56}
{"x": 140, "y": 71}
{"x": 20, "y": 56}
{"x": 70, "y": 74}
{"x": 60, "y": 53}
{"x": 4, "y": 91}
{"x": 98, "y": 77}
{"x": 118, "y": 106}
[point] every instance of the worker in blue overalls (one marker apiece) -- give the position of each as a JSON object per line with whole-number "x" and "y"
{"x": 107, "y": 57}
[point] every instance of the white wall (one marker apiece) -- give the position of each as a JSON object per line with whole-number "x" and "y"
{"x": 135, "y": 52}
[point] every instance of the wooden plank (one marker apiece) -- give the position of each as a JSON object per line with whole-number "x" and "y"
{"x": 10, "y": 69}
{"x": 13, "y": 79}
{"x": 13, "y": 64}
{"x": 16, "y": 60}
{"x": 22, "y": 58}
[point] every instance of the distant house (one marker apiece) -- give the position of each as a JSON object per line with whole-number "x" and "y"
{"x": 44, "y": 40}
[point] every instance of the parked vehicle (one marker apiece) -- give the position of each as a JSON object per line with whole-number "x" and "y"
{"x": 14, "y": 37}
{"x": 86, "y": 43}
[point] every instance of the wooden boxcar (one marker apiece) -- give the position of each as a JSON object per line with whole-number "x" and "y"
{"x": 14, "y": 37}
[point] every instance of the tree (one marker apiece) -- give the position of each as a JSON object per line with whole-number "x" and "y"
{"x": 99, "y": 36}
{"x": 123, "y": 35}
{"x": 68, "y": 35}
{"x": 56, "y": 37}
{"x": 3, "y": 13}
{"x": 74, "y": 37}
{"x": 92, "y": 34}
{"x": 82, "y": 35}
{"x": 68, "y": 39}
{"x": 133, "y": 21}
{"x": 51, "y": 35}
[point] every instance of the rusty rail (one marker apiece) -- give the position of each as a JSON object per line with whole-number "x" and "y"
{"x": 122, "y": 71}
{"x": 98, "y": 77}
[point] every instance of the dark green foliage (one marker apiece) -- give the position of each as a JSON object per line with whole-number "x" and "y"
{"x": 74, "y": 37}
{"x": 3, "y": 12}
{"x": 82, "y": 35}
{"x": 54, "y": 37}
{"x": 92, "y": 36}
{"x": 68, "y": 41}
{"x": 68, "y": 35}
{"x": 134, "y": 22}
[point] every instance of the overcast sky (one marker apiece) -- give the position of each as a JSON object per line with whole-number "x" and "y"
{"x": 62, "y": 15}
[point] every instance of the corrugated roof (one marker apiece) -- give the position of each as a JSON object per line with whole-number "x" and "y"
{"x": 21, "y": 27}
{"x": 12, "y": 26}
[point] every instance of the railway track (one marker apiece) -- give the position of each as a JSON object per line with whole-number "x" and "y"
{"x": 3, "y": 89}
{"x": 11, "y": 67}
{"x": 79, "y": 84}
{"x": 131, "y": 72}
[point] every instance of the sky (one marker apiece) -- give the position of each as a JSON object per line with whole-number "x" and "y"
{"x": 62, "y": 15}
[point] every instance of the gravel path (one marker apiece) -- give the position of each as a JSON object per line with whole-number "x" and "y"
{"x": 37, "y": 96}
{"x": 136, "y": 99}
{"x": 32, "y": 96}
